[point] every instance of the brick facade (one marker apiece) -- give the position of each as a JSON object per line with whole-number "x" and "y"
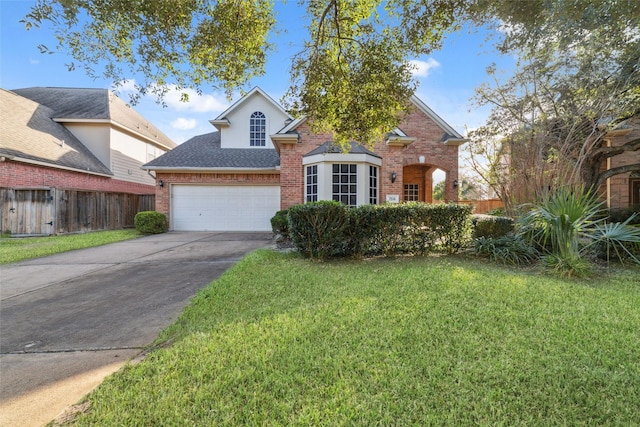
{"x": 18, "y": 174}
{"x": 620, "y": 191}
{"x": 404, "y": 161}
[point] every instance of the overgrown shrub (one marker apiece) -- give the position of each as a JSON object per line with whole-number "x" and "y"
{"x": 321, "y": 229}
{"x": 508, "y": 249}
{"x": 280, "y": 223}
{"x": 151, "y": 222}
{"x": 491, "y": 226}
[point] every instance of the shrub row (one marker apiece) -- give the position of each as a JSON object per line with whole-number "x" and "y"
{"x": 330, "y": 229}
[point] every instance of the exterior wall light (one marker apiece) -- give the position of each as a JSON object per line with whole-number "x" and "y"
{"x": 161, "y": 183}
{"x": 455, "y": 183}
{"x": 393, "y": 176}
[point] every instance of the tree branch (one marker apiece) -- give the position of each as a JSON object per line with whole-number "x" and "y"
{"x": 602, "y": 177}
{"x": 606, "y": 152}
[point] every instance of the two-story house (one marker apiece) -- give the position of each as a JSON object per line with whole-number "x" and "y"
{"x": 261, "y": 160}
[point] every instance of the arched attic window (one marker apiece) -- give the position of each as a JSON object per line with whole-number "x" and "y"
{"x": 257, "y": 129}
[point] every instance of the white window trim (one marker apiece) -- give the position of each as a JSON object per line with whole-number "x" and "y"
{"x": 325, "y": 164}
{"x": 263, "y": 139}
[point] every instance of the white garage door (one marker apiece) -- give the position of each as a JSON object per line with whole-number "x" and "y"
{"x": 223, "y": 208}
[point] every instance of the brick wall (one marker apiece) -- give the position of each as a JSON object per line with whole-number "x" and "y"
{"x": 17, "y": 174}
{"x": 619, "y": 186}
{"x": 395, "y": 159}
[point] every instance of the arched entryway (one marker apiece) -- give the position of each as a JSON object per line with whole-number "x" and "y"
{"x": 417, "y": 181}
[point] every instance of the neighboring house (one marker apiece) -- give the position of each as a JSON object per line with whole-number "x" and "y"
{"x": 261, "y": 160}
{"x": 70, "y": 161}
{"x": 622, "y": 192}
{"x": 84, "y": 139}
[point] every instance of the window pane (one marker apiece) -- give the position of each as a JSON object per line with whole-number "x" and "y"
{"x": 345, "y": 175}
{"x": 311, "y": 181}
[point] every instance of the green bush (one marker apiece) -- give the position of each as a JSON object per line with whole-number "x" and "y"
{"x": 491, "y": 226}
{"x": 497, "y": 212}
{"x": 151, "y": 222}
{"x": 329, "y": 229}
{"x": 509, "y": 249}
{"x": 320, "y": 229}
{"x": 280, "y": 223}
{"x": 622, "y": 215}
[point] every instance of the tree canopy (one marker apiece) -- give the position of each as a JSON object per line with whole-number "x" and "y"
{"x": 577, "y": 80}
{"x": 353, "y": 76}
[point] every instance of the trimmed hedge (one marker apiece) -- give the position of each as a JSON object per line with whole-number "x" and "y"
{"x": 151, "y": 222}
{"x": 330, "y": 229}
{"x": 491, "y": 226}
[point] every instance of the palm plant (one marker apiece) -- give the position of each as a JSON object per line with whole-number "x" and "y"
{"x": 567, "y": 222}
{"x": 614, "y": 236}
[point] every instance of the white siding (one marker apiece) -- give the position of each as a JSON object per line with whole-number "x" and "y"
{"x": 237, "y": 134}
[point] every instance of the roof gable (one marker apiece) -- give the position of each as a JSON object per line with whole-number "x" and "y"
{"x": 223, "y": 119}
{"x": 29, "y": 134}
{"x": 94, "y": 105}
{"x": 451, "y": 136}
{"x": 446, "y": 127}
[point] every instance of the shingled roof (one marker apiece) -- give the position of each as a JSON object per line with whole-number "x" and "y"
{"x": 29, "y": 133}
{"x": 81, "y": 104}
{"x": 331, "y": 147}
{"x": 204, "y": 152}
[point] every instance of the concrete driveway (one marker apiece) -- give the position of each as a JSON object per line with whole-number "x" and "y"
{"x": 68, "y": 320}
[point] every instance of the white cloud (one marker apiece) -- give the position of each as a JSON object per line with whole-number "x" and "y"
{"x": 183, "y": 123}
{"x": 196, "y": 103}
{"x": 33, "y": 61}
{"x": 216, "y": 103}
{"x": 422, "y": 68}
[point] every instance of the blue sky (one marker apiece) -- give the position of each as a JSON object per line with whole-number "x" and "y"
{"x": 446, "y": 83}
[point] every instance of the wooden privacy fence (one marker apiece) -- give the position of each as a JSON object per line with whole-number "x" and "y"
{"x": 45, "y": 211}
{"x": 483, "y": 206}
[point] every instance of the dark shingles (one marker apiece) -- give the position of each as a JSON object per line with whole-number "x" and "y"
{"x": 330, "y": 147}
{"x": 203, "y": 151}
{"x": 27, "y": 130}
{"x": 93, "y": 104}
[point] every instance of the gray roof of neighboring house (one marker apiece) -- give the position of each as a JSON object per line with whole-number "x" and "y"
{"x": 204, "y": 152}
{"x": 94, "y": 104}
{"x": 330, "y": 147}
{"x": 28, "y": 131}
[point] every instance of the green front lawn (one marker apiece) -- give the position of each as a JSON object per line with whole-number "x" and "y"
{"x": 19, "y": 249}
{"x": 279, "y": 340}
